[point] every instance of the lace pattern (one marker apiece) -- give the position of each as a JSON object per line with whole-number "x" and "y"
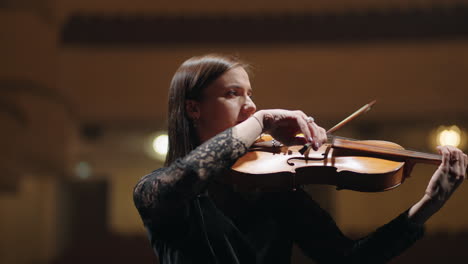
{"x": 168, "y": 188}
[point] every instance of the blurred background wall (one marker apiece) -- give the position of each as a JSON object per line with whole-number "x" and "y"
{"x": 83, "y": 87}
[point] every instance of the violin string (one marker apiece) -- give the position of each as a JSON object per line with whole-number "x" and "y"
{"x": 401, "y": 152}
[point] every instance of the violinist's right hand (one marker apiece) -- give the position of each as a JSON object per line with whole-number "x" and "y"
{"x": 284, "y": 125}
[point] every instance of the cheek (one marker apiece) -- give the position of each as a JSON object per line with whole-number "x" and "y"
{"x": 225, "y": 111}
{"x": 232, "y": 108}
{"x": 212, "y": 109}
{"x": 221, "y": 109}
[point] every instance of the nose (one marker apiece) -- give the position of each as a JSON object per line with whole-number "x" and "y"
{"x": 249, "y": 106}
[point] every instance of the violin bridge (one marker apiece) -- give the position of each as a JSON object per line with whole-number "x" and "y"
{"x": 327, "y": 150}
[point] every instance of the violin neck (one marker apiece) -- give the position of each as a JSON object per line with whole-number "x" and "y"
{"x": 387, "y": 151}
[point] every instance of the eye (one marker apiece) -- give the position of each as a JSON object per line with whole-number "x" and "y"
{"x": 231, "y": 93}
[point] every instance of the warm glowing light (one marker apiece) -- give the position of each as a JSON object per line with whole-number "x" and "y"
{"x": 156, "y": 145}
{"x": 83, "y": 170}
{"x": 160, "y": 144}
{"x": 451, "y": 135}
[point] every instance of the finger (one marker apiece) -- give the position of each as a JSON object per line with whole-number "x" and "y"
{"x": 304, "y": 127}
{"x": 315, "y": 135}
{"x": 311, "y": 133}
{"x": 461, "y": 164}
{"x": 324, "y": 136}
{"x": 445, "y": 155}
{"x": 465, "y": 164}
{"x": 455, "y": 161}
{"x": 321, "y": 134}
{"x": 318, "y": 133}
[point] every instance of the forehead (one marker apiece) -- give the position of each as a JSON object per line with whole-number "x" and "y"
{"x": 234, "y": 77}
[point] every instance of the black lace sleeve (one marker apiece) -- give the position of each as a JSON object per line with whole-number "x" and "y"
{"x": 161, "y": 197}
{"x": 386, "y": 242}
{"x": 317, "y": 234}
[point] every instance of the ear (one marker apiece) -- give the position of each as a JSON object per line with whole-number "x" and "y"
{"x": 192, "y": 109}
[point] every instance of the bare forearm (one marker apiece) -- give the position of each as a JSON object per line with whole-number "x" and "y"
{"x": 249, "y": 130}
{"x": 420, "y": 212}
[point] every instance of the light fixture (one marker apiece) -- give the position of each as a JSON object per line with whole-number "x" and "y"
{"x": 160, "y": 144}
{"x": 156, "y": 145}
{"x": 83, "y": 170}
{"x": 449, "y": 135}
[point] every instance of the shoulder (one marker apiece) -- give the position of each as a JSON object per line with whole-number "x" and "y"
{"x": 152, "y": 176}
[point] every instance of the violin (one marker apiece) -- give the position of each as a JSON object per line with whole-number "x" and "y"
{"x": 359, "y": 165}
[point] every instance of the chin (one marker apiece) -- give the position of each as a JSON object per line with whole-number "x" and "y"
{"x": 238, "y": 122}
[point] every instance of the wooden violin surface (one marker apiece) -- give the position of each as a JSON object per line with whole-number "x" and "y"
{"x": 367, "y": 166}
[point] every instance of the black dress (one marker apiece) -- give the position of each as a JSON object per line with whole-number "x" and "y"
{"x": 192, "y": 218}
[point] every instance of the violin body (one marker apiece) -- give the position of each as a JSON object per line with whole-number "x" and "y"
{"x": 364, "y": 168}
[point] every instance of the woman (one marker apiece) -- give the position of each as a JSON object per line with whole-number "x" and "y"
{"x": 192, "y": 217}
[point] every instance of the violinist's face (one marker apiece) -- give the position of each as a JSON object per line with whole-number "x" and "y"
{"x": 225, "y": 103}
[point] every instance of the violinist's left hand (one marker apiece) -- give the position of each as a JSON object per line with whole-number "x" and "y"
{"x": 445, "y": 180}
{"x": 450, "y": 174}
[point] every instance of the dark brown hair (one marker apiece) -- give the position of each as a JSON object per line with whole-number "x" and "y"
{"x": 188, "y": 83}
